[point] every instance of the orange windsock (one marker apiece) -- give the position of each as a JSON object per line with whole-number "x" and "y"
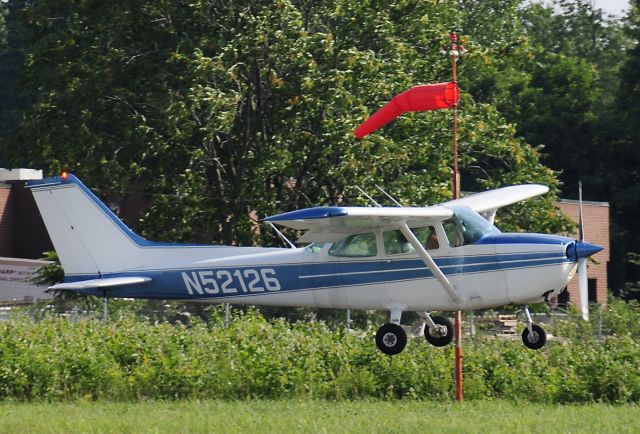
{"x": 418, "y": 98}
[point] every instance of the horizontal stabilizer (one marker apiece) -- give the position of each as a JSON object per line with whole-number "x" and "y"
{"x": 101, "y": 283}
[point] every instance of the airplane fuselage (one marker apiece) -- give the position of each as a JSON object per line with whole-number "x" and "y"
{"x": 503, "y": 269}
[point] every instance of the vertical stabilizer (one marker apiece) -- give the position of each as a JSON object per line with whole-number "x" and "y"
{"x": 89, "y": 238}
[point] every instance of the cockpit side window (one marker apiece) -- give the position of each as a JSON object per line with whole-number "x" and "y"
{"x": 360, "y": 245}
{"x": 427, "y": 237}
{"x": 453, "y": 229}
{"x": 395, "y": 242}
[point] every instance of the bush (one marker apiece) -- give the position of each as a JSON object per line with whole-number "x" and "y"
{"x": 128, "y": 359}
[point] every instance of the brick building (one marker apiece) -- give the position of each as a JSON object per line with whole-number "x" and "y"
{"x": 596, "y": 229}
{"x": 23, "y": 237}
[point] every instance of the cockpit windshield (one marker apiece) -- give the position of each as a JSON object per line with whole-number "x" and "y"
{"x": 466, "y": 227}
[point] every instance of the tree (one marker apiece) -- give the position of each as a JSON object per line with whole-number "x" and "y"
{"x": 13, "y": 98}
{"x": 222, "y": 111}
{"x": 556, "y": 77}
{"x": 625, "y": 179}
{"x": 562, "y": 94}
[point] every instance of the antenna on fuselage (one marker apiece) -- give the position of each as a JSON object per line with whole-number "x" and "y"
{"x": 389, "y": 196}
{"x": 368, "y": 197}
{"x": 281, "y": 235}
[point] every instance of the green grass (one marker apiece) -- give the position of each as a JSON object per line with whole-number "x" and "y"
{"x": 316, "y": 417}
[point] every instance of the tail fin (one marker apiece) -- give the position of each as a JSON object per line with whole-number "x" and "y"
{"x": 89, "y": 238}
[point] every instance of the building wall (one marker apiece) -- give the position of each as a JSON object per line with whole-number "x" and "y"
{"x": 6, "y": 221}
{"x": 22, "y": 230}
{"x": 15, "y": 280}
{"x": 596, "y": 229}
{"x": 23, "y": 238}
{"x": 33, "y": 236}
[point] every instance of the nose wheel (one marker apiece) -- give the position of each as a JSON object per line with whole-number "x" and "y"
{"x": 534, "y": 339}
{"x": 533, "y": 336}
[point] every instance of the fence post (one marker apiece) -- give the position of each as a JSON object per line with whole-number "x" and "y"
{"x": 600, "y": 322}
{"x": 105, "y": 309}
{"x": 473, "y": 325}
{"x": 227, "y": 314}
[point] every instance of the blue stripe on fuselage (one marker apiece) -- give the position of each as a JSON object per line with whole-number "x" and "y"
{"x": 235, "y": 281}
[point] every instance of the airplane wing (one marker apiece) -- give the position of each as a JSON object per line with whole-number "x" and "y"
{"x": 101, "y": 283}
{"x": 494, "y": 199}
{"x": 330, "y": 224}
{"x": 488, "y": 202}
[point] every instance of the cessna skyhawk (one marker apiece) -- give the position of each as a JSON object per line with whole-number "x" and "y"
{"x": 437, "y": 258}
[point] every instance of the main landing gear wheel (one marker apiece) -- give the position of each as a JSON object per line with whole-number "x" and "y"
{"x": 443, "y": 335}
{"x": 536, "y": 339}
{"x": 391, "y": 339}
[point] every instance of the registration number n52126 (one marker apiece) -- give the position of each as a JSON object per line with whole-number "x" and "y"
{"x": 231, "y": 281}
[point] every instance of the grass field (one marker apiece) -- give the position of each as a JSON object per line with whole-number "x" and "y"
{"x": 316, "y": 417}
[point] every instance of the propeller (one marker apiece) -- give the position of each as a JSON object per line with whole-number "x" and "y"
{"x": 583, "y": 284}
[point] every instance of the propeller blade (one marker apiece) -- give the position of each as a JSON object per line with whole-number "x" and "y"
{"x": 584, "y": 288}
{"x": 583, "y": 282}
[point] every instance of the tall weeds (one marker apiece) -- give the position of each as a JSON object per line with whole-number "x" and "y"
{"x": 127, "y": 359}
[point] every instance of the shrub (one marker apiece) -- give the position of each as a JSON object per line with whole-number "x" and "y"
{"x": 128, "y": 359}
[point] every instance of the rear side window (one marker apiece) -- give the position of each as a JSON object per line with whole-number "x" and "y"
{"x": 360, "y": 245}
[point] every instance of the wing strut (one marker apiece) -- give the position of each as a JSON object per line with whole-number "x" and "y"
{"x": 429, "y": 262}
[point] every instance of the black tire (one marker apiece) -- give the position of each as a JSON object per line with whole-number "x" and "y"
{"x": 536, "y": 341}
{"x": 436, "y": 339}
{"x": 391, "y": 339}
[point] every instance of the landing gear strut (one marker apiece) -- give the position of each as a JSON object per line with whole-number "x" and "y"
{"x": 533, "y": 336}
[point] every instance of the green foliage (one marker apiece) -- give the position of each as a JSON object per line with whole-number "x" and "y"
{"x": 578, "y": 101}
{"x": 125, "y": 359}
{"x": 216, "y": 111}
{"x": 221, "y": 113}
{"x": 625, "y": 183}
{"x": 3, "y": 27}
{"x": 13, "y": 97}
{"x": 63, "y": 301}
{"x": 49, "y": 274}
{"x": 619, "y": 318}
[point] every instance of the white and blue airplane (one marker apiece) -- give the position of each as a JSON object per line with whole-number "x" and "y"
{"x": 437, "y": 258}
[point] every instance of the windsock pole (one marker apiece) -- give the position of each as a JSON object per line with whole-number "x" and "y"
{"x": 420, "y": 98}
{"x": 456, "y": 195}
{"x": 454, "y": 61}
